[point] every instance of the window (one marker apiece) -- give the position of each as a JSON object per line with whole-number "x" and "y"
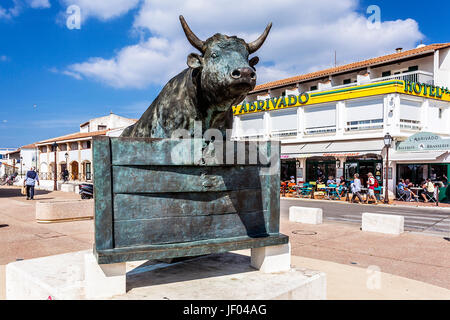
{"x": 386, "y": 74}
{"x": 410, "y": 114}
{"x": 440, "y": 113}
{"x": 364, "y": 114}
{"x": 313, "y": 88}
{"x": 320, "y": 119}
{"x": 413, "y": 68}
{"x": 252, "y": 125}
{"x": 101, "y": 127}
{"x": 347, "y": 81}
{"x": 284, "y": 123}
{"x": 88, "y": 171}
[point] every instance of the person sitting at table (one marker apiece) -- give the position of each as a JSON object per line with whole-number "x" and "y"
{"x": 330, "y": 180}
{"x": 408, "y": 184}
{"x": 429, "y": 190}
{"x": 421, "y": 189}
{"x": 402, "y": 190}
{"x": 321, "y": 180}
{"x": 356, "y": 188}
{"x": 293, "y": 180}
{"x": 342, "y": 187}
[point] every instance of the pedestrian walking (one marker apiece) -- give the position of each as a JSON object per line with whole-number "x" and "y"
{"x": 356, "y": 188}
{"x": 371, "y": 184}
{"x": 65, "y": 175}
{"x": 30, "y": 180}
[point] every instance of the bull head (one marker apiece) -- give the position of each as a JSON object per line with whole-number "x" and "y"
{"x": 226, "y": 70}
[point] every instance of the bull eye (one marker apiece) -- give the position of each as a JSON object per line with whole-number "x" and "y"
{"x": 214, "y": 55}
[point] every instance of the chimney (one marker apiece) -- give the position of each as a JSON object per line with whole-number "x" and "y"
{"x": 399, "y": 50}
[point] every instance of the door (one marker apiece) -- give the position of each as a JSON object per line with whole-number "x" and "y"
{"x": 75, "y": 172}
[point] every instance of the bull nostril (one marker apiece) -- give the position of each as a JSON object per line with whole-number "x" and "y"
{"x": 236, "y": 74}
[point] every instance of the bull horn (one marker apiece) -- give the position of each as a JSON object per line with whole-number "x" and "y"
{"x": 193, "y": 39}
{"x": 255, "y": 45}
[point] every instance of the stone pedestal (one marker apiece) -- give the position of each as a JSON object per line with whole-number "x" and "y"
{"x": 272, "y": 259}
{"x": 224, "y": 276}
{"x": 103, "y": 280}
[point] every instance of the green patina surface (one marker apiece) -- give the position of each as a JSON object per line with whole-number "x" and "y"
{"x": 162, "y": 198}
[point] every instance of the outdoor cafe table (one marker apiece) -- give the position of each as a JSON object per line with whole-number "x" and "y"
{"x": 415, "y": 190}
{"x": 328, "y": 190}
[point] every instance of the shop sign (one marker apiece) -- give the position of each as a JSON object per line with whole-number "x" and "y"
{"x": 274, "y": 103}
{"x": 350, "y": 154}
{"x": 423, "y": 141}
{"x": 425, "y": 89}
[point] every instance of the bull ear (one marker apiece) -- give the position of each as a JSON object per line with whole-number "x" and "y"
{"x": 194, "y": 61}
{"x": 253, "y": 62}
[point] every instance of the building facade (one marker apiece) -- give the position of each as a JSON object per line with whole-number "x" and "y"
{"x": 74, "y": 151}
{"x": 5, "y": 167}
{"x": 332, "y": 122}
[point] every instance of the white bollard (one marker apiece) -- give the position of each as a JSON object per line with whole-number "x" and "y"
{"x": 306, "y": 215}
{"x": 383, "y": 223}
{"x": 105, "y": 280}
{"x": 272, "y": 258}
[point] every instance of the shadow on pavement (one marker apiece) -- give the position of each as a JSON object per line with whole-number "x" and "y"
{"x": 14, "y": 192}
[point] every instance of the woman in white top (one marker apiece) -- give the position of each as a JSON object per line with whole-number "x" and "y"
{"x": 356, "y": 188}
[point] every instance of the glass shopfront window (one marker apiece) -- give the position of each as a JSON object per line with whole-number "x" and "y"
{"x": 417, "y": 173}
{"x": 413, "y": 172}
{"x": 288, "y": 169}
{"x": 363, "y": 167}
{"x": 320, "y": 168}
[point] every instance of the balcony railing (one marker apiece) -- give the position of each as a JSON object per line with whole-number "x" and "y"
{"x": 321, "y": 130}
{"x": 410, "y": 125}
{"x": 284, "y": 134}
{"x": 364, "y": 125}
{"x": 414, "y": 76}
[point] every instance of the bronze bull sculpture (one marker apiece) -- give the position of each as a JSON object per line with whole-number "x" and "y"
{"x": 217, "y": 79}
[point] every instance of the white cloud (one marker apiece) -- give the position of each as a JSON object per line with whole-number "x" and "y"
{"x": 303, "y": 38}
{"x": 102, "y": 9}
{"x": 18, "y": 6}
{"x": 11, "y": 12}
{"x": 36, "y": 4}
{"x": 149, "y": 62}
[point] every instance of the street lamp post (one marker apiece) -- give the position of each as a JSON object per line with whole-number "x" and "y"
{"x": 55, "y": 183}
{"x": 387, "y": 144}
{"x": 21, "y": 158}
{"x": 66, "y": 155}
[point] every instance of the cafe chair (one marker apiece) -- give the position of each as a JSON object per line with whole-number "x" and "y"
{"x": 333, "y": 194}
{"x": 431, "y": 198}
{"x": 321, "y": 191}
{"x": 400, "y": 196}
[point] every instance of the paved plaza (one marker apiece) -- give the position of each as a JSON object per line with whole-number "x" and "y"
{"x": 412, "y": 266}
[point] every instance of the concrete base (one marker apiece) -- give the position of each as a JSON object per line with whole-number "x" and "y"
{"x": 383, "y": 223}
{"x": 105, "y": 280}
{"x": 306, "y": 215}
{"x": 64, "y": 210}
{"x": 272, "y": 259}
{"x": 67, "y": 187}
{"x": 225, "y": 276}
{"x": 58, "y": 277}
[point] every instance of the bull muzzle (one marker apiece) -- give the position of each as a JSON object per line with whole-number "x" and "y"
{"x": 244, "y": 74}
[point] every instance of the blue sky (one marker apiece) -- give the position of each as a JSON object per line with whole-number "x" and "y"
{"x": 53, "y": 78}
